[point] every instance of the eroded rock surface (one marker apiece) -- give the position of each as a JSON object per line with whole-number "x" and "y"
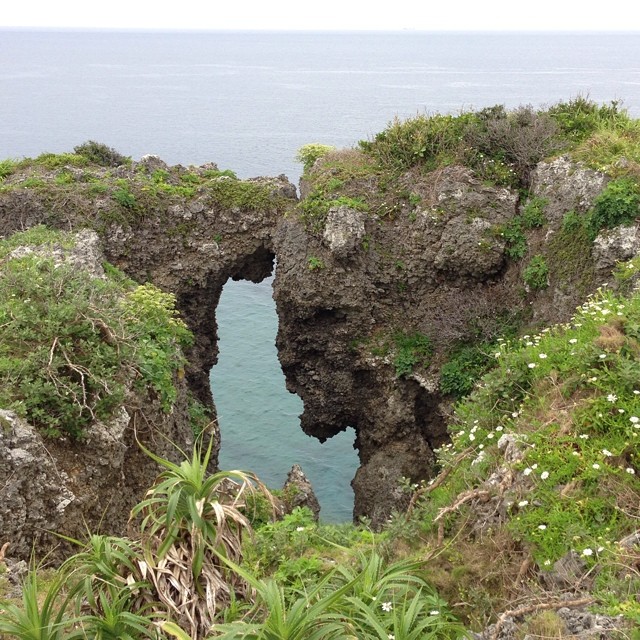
{"x": 438, "y": 267}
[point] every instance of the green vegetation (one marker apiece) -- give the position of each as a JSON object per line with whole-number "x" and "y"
{"x": 309, "y": 153}
{"x": 536, "y": 273}
{"x": 567, "y": 398}
{"x": 184, "y": 575}
{"x": 464, "y": 368}
{"x": 411, "y": 350}
{"x": 7, "y": 167}
{"x": 71, "y": 343}
{"x": 619, "y": 203}
{"x": 501, "y": 147}
{"x": 101, "y": 154}
{"x": 313, "y": 262}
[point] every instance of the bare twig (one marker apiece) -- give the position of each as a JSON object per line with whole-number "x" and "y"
{"x": 439, "y": 480}
{"x": 481, "y": 494}
{"x": 533, "y": 608}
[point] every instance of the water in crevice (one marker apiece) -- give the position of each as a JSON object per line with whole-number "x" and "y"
{"x": 258, "y": 417}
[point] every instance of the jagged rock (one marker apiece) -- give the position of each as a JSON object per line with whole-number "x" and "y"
{"x": 512, "y": 445}
{"x": 436, "y": 268}
{"x": 469, "y": 248}
{"x": 298, "y": 492}
{"x": 84, "y": 254}
{"x": 566, "y": 572}
{"x": 615, "y": 245}
{"x": 567, "y": 186}
{"x": 344, "y": 230}
{"x": 151, "y": 163}
{"x": 585, "y": 625}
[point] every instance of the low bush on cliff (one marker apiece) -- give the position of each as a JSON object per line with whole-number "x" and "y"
{"x": 71, "y": 343}
{"x": 101, "y": 154}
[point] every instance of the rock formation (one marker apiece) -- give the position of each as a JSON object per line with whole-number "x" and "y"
{"x": 346, "y": 294}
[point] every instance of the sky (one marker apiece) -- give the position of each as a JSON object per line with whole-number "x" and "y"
{"x": 438, "y": 15}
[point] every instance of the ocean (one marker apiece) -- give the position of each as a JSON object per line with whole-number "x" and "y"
{"x": 248, "y": 101}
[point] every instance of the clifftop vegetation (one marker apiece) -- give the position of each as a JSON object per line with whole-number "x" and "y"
{"x": 501, "y": 147}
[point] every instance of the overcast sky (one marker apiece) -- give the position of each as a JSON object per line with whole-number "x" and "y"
{"x": 324, "y": 14}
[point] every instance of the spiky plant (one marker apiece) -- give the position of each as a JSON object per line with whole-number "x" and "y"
{"x": 42, "y": 614}
{"x": 189, "y": 520}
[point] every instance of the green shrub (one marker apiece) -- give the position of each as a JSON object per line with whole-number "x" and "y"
{"x": 411, "y": 350}
{"x": 424, "y": 140}
{"x": 536, "y": 273}
{"x": 580, "y": 117}
{"x": 57, "y": 160}
{"x": 619, "y": 203}
{"x": 71, "y": 343}
{"x": 100, "y": 154}
{"x": 533, "y": 213}
{"x": 314, "y": 263}
{"x": 309, "y": 153}
{"x": 465, "y": 366}
{"x": 515, "y": 240}
{"x": 125, "y": 198}
{"x": 7, "y": 167}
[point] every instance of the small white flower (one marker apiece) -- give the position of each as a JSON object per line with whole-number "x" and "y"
{"x": 299, "y": 528}
{"x": 490, "y": 436}
{"x": 636, "y": 392}
{"x": 532, "y": 365}
{"x": 534, "y": 466}
{"x": 523, "y": 503}
{"x": 499, "y": 428}
{"x": 587, "y": 552}
{"x": 542, "y": 356}
{"x": 527, "y": 471}
{"x": 386, "y": 606}
{"x": 514, "y": 414}
{"x": 391, "y": 636}
{"x": 575, "y": 453}
{"x": 630, "y": 471}
{"x": 612, "y": 397}
{"x": 434, "y": 612}
{"x": 583, "y": 436}
{"x": 547, "y": 563}
{"x": 595, "y": 465}
{"x": 602, "y": 356}
{"x": 542, "y": 527}
{"x": 607, "y": 453}
{"x": 472, "y": 437}
{"x": 634, "y": 419}
{"x": 573, "y": 340}
{"x": 544, "y": 475}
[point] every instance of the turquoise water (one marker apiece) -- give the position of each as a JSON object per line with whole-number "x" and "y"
{"x": 258, "y": 418}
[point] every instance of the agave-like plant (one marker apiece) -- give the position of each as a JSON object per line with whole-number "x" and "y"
{"x": 417, "y": 616}
{"x": 380, "y": 580}
{"x": 314, "y": 615}
{"x": 42, "y": 615}
{"x": 189, "y": 520}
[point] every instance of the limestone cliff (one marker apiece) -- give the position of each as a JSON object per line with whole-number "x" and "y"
{"x": 371, "y": 301}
